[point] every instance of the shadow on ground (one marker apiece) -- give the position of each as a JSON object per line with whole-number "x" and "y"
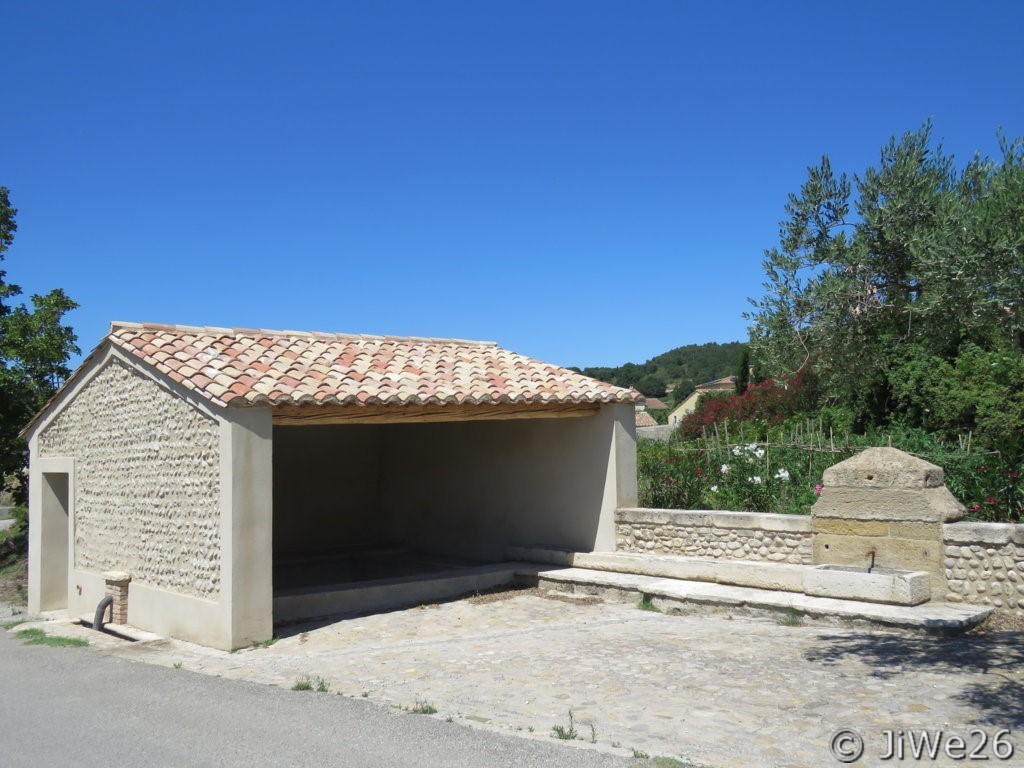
{"x": 998, "y": 699}
{"x": 501, "y": 592}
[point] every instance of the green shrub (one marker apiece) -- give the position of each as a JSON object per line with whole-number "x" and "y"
{"x": 782, "y": 470}
{"x": 751, "y": 477}
{"x": 14, "y": 541}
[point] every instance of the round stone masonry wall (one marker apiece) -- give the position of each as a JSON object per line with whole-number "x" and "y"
{"x": 147, "y": 482}
{"x": 985, "y": 565}
{"x": 714, "y": 535}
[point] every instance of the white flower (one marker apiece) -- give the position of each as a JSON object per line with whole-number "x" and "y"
{"x": 755, "y": 480}
{"x": 752, "y": 447}
{"x": 759, "y": 453}
{"x": 714, "y": 489}
{"x": 736, "y": 451}
{"x": 782, "y": 474}
{"x": 725, "y": 469}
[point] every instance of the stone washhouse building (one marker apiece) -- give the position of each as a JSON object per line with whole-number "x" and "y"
{"x": 243, "y": 477}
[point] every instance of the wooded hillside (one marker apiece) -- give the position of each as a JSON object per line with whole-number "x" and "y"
{"x": 681, "y": 369}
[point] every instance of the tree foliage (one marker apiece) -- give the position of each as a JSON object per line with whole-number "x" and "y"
{"x": 743, "y": 373}
{"x": 902, "y": 289}
{"x": 35, "y": 346}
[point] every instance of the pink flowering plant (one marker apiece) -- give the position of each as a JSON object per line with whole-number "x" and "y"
{"x": 990, "y": 486}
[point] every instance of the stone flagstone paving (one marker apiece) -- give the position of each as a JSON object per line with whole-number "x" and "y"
{"x": 715, "y": 690}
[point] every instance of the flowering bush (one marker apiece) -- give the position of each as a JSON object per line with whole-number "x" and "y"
{"x": 669, "y": 478}
{"x": 990, "y": 485}
{"x": 749, "y": 477}
{"x": 788, "y": 478}
{"x": 757, "y": 478}
{"x": 767, "y": 403}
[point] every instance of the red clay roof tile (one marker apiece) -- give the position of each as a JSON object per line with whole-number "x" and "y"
{"x": 644, "y": 419}
{"x": 251, "y": 367}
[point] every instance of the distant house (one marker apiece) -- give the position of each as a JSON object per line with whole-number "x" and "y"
{"x": 689, "y": 405}
{"x": 654, "y": 404}
{"x": 644, "y": 419}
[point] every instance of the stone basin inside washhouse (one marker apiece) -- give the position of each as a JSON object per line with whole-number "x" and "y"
{"x": 877, "y": 585}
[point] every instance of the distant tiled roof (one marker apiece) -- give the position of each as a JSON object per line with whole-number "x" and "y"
{"x": 644, "y": 419}
{"x": 240, "y": 367}
{"x": 654, "y": 404}
{"x": 717, "y": 383}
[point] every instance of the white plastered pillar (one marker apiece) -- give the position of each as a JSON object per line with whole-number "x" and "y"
{"x": 620, "y": 477}
{"x": 246, "y": 443}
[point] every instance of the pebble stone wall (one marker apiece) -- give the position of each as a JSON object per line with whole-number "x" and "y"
{"x": 985, "y": 565}
{"x": 717, "y": 535}
{"x": 146, "y": 486}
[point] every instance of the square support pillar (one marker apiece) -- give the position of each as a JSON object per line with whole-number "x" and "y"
{"x": 247, "y": 526}
{"x": 117, "y": 587}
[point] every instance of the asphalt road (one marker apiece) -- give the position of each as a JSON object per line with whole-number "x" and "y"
{"x": 75, "y": 706}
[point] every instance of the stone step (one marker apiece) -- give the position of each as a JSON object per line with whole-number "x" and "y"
{"x": 123, "y": 631}
{"x": 785, "y": 577}
{"x": 680, "y": 595}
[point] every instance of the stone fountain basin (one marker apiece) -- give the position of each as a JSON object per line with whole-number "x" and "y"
{"x": 881, "y": 585}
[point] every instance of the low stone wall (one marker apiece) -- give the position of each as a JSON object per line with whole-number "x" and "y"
{"x": 985, "y": 565}
{"x": 717, "y": 535}
{"x": 662, "y": 433}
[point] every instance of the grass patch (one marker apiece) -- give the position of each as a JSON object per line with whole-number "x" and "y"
{"x": 307, "y": 683}
{"x": 12, "y": 624}
{"x": 36, "y": 636}
{"x": 647, "y": 604}
{"x": 662, "y": 762}
{"x": 790, "y": 617}
{"x": 422, "y": 707}
{"x": 258, "y": 644}
{"x": 566, "y": 733}
{"x": 177, "y": 665}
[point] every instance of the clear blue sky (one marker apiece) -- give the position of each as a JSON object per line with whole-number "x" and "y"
{"x": 585, "y": 182}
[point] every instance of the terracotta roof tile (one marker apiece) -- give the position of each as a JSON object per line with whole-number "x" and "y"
{"x": 644, "y": 419}
{"x": 243, "y": 367}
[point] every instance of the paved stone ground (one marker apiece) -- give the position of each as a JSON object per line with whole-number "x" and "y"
{"x": 10, "y": 612}
{"x": 72, "y": 707}
{"x": 714, "y": 690}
